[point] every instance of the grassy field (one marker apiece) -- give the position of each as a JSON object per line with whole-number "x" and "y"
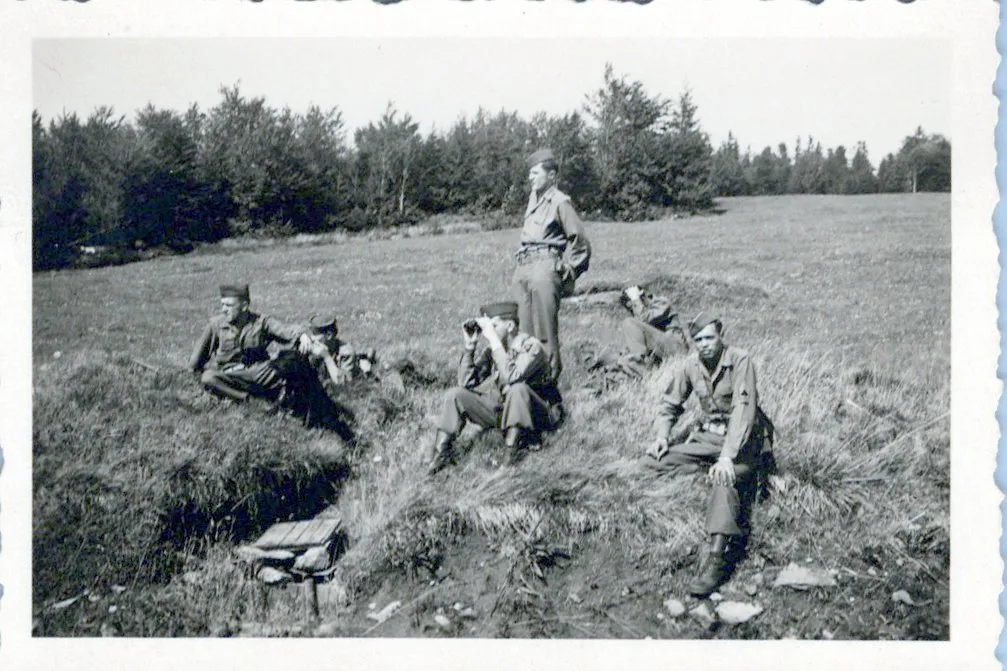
{"x": 143, "y": 484}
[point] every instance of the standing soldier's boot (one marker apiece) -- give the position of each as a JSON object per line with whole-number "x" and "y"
{"x": 714, "y": 570}
{"x": 439, "y": 451}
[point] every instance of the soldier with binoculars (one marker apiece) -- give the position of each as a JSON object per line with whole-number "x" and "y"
{"x": 508, "y": 386}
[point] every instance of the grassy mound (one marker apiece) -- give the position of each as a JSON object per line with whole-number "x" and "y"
{"x": 138, "y": 472}
{"x": 135, "y": 470}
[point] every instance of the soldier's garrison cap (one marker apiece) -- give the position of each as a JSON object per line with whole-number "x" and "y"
{"x": 540, "y": 156}
{"x": 234, "y": 291}
{"x": 324, "y": 324}
{"x": 702, "y": 321}
{"x": 502, "y": 310}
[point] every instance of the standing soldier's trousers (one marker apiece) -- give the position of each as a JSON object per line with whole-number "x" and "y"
{"x": 518, "y": 407}
{"x": 643, "y": 340}
{"x": 728, "y": 508}
{"x": 537, "y": 289}
{"x": 239, "y": 382}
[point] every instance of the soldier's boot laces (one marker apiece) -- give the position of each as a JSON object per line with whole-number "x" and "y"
{"x": 438, "y": 452}
{"x": 714, "y": 571}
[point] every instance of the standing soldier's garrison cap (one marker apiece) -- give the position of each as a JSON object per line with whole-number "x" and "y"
{"x": 235, "y": 291}
{"x": 540, "y": 156}
{"x": 502, "y": 310}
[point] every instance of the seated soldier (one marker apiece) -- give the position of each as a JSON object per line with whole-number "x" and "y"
{"x": 732, "y": 439}
{"x": 653, "y": 333}
{"x": 231, "y": 355}
{"x": 509, "y": 385}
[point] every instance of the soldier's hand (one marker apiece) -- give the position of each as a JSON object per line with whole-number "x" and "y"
{"x": 634, "y": 293}
{"x": 658, "y": 449}
{"x": 722, "y": 473}
{"x": 488, "y": 332}
{"x": 471, "y": 338}
{"x": 318, "y": 349}
{"x": 485, "y": 324}
{"x": 304, "y": 343}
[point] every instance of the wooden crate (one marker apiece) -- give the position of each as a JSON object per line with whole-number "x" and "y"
{"x": 299, "y": 535}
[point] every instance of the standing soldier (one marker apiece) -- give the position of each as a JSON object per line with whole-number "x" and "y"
{"x": 554, "y": 253}
{"x": 231, "y": 356}
{"x": 732, "y": 438}
{"x": 508, "y": 386}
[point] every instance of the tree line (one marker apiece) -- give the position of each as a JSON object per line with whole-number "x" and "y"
{"x": 170, "y": 179}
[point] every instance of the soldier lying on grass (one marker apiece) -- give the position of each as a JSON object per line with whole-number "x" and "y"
{"x": 337, "y": 362}
{"x": 509, "y": 385}
{"x": 653, "y": 334}
{"x": 732, "y": 438}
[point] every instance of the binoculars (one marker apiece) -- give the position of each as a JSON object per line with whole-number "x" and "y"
{"x": 470, "y": 326}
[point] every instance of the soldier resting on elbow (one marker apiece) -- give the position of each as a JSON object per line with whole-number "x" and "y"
{"x": 732, "y": 439}
{"x": 653, "y": 334}
{"x": 509, "y": 385}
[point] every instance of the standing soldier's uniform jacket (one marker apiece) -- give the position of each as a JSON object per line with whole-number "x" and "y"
{"x": 730, "y": 426}
{"x": 554, "y": 252}
{"x": 503, "y": 389}
{"x": 234, "y": 357}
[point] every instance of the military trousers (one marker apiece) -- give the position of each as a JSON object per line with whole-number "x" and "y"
{"x": 239, "y": 382}
{"x": 519, "y": 406}
{"x": 537, "y": 289}
{"x": 645, "y": 341}
{"x": 728, "y": 508}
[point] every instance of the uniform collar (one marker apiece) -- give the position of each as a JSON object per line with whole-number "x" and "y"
{"x": 547, "y": 197}
{"x": 726, "y": 362}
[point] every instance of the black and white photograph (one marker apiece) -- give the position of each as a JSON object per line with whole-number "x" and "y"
{"x": 509, "y": 337}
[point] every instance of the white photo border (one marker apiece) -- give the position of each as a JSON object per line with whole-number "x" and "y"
{"x": 976, "y": 570}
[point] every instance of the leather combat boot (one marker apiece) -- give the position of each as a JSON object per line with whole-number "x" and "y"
{"x": 714, "y": 570}
{"x": 512, "y": 443}
{"x": 439, "y": 451}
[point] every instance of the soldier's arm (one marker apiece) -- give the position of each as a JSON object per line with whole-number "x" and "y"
{"x": 578, "y": 249}
{"x": 203, "y": 350}
{"x": 472, "y": 371}
{"x": 744, "y": 407}
{"x": 672, "y": 404}
{"x": 521, "y": 364}
{"x": 280, "y": 332}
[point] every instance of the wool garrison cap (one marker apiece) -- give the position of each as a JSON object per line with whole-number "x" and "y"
{"x": 235, "y": 291}
{"x": 701, "y": 322}
{"x": 323, "y": 324}
{"x": 502, "y": 310}
{"x": 539, "y": 156}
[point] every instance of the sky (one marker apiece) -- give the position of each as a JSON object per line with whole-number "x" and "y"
{"x": 765, "y": 90}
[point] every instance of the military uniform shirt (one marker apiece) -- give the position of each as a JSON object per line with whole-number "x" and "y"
{"x": 223, "y": 344}
{"x": 526, "y": 361}
{"x": 551, "y": 221}
{"x": 726, "y": 397}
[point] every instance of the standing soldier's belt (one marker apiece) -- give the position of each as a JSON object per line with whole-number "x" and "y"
{"x": 530, "y": 254}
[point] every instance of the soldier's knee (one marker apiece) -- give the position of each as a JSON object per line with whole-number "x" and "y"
{"x": 210, "y": 378}
{"x": 452, "y": 397}
{"x": 519, "y": 391}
